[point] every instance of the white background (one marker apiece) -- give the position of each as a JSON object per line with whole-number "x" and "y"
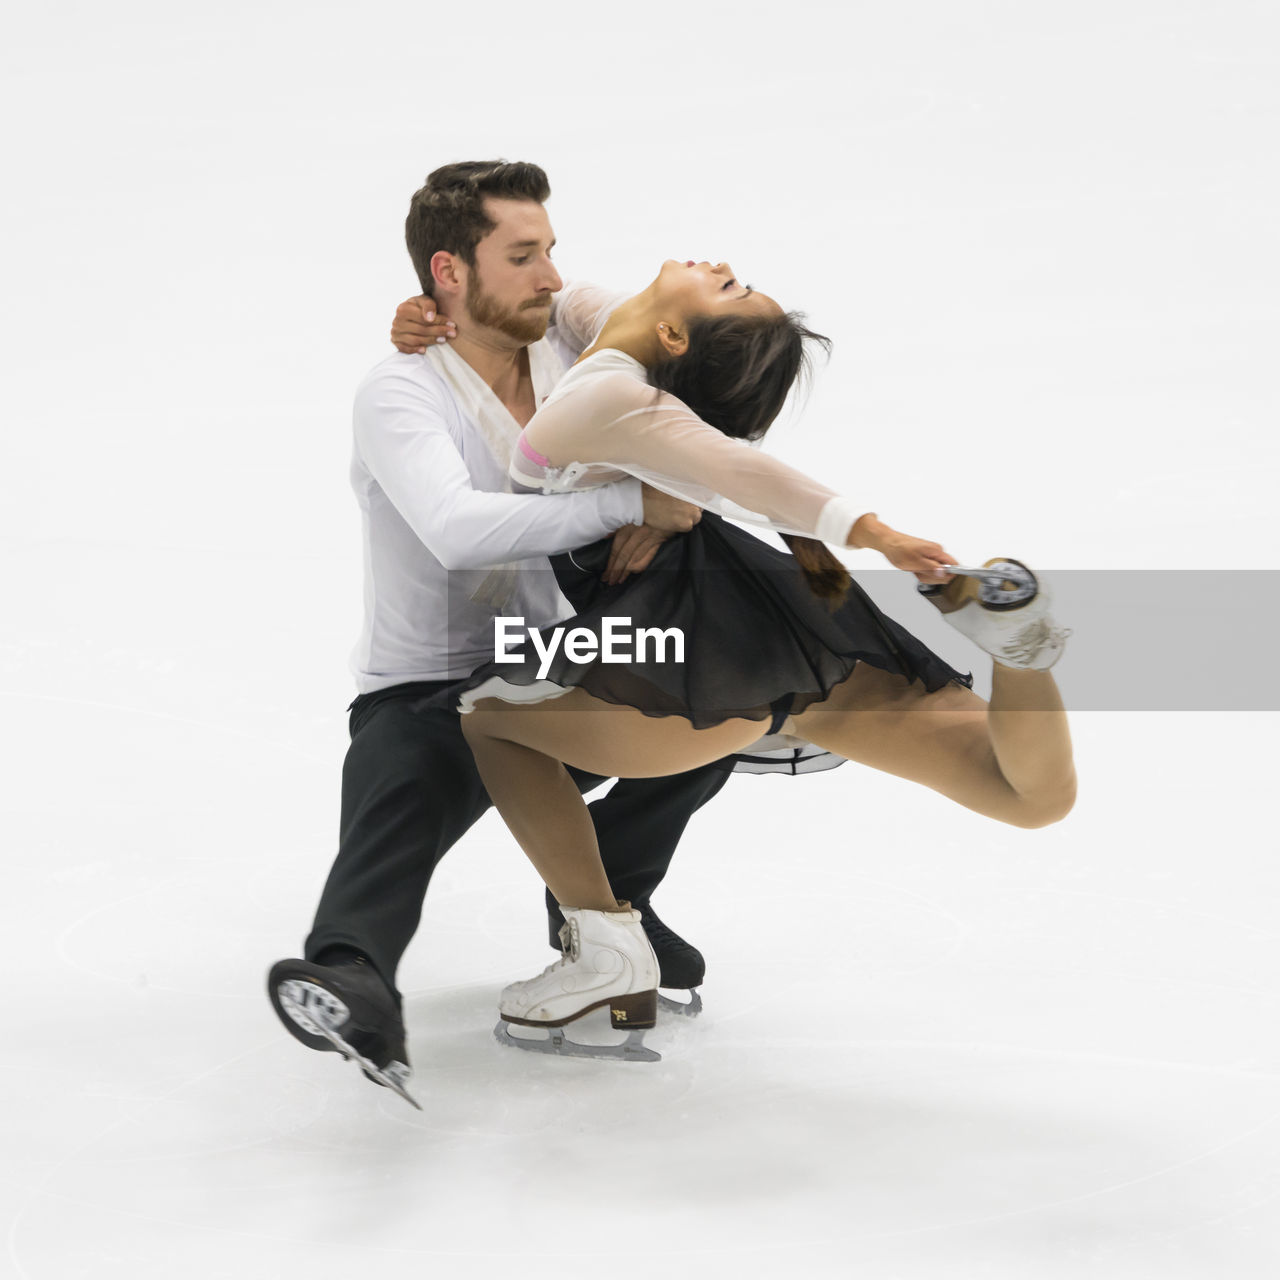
{"x": 1043, "y": 239}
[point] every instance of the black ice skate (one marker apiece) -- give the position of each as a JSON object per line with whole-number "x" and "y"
{"x": 344, "y": 1008}
{"x": 680, "y": 963}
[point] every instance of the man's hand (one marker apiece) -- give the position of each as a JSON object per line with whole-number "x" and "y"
{"x": 417, "y": 326}
{"x": 635, "y": 545}
{"x": 666, "y": 514}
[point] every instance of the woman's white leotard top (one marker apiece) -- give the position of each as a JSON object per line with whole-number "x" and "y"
{"x": 604, "y": 421}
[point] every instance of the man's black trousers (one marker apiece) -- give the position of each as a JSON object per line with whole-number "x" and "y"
{"x": 410, "y": 791}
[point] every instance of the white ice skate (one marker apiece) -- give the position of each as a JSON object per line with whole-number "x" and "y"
{"x": 607, "y": 961}
{"x": 1004, "y": 609}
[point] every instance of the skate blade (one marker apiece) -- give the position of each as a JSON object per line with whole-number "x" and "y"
{"x": 630, "y": 1050}
{"x": 982, "y": 571}
{"x": 319, "y": 1012}
{"x": 393, "y": 1075}
{"x": 1006, "y": 584}
{"x": 685, "y": 1008}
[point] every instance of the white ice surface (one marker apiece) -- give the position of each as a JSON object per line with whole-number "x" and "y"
{"x": 1043, "y": 237}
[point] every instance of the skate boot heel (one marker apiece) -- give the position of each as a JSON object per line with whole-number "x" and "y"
{"x": 635, "y": 1012}
{"x": 608, "y": 963}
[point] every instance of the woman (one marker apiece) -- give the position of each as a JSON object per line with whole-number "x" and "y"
{"x": 674, "y": 371}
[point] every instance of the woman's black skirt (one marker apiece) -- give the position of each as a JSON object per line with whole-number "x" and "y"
{"x": 720, "y": 626}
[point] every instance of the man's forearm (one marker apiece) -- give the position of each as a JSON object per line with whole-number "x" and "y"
{"x": 473, "y": 530}
{"x": 403, "y": 440}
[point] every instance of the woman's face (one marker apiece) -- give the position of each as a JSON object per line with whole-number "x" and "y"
{"x": 700, "y": 289}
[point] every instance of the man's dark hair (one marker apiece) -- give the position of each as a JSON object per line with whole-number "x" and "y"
{"x": 447, "y": 211}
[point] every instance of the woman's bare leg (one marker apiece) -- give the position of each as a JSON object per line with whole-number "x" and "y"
{"x": 1010, "y": 760}
{"x": 519, "y": 752}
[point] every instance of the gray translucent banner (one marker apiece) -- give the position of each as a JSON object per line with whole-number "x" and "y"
{"x": 1141, "y": 640}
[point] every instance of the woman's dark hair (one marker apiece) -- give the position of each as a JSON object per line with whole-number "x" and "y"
{"x": 735, "y": 375}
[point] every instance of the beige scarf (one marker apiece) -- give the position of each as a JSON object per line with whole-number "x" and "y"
{"x": 499, "y": 431}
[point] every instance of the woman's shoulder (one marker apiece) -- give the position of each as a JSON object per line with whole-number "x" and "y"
{"x": 581, "y": 309}
{"x": 607, "y": 374}
{"x": 609, "y": 362}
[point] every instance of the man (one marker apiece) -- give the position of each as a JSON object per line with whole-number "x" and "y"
{"x": 446, "y": 549}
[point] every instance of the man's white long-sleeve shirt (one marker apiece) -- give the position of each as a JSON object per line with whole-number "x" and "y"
{"x": 437, "y": 518}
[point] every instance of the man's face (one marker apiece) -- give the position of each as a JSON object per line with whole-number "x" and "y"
{"x": 509, "y": 288}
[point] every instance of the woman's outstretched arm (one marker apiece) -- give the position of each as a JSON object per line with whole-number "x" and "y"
{"x": 616, "y": 420}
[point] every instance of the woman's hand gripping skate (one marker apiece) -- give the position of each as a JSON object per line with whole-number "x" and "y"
{"x": 927, "y": 560}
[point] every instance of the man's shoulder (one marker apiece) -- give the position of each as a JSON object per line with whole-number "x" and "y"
{"x": 406, "y": 369}
{"x": 401, "y": 381}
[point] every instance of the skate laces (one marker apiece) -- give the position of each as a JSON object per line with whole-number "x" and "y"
{"x": 1027, "y": 644}
{"x": 661, "y": 936}
{"x": 569, "y": 942}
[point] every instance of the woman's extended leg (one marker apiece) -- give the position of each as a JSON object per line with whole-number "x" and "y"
{"x": 519, "y": 752}
{"x": 1010, "y": 759}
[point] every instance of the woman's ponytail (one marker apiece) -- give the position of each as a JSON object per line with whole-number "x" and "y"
{"x": 828, "y": 579}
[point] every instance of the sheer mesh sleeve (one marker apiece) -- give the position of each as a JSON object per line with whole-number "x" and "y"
{"x": 579, "y": 310}
{"x": 617, "y": 420}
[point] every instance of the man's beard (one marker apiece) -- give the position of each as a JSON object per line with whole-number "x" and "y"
{"x": 526, "y": 323}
